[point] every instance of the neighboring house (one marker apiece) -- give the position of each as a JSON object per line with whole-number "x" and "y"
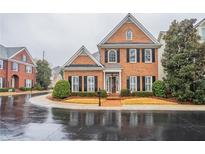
{"x": 200, "y": 26}
{"x": 17, "y": 68}
{"x": 127, "y": 59}
{"x": 55, "y": 75}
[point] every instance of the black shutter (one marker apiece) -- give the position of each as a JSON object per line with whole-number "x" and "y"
{"x": 118, "y": 55}
{"x": 85, "y": 83}
{"x": 70, "y": 81}
{"x": 153, "y": 55}
{"x": 3, "y": 80}
{"x": 128, "y": 56}
{"x": 128, "y": 82}
{"x": 106, "y": 56}
{"x": 153, "y": 79}
{"x": 143, "y": 83}
{"x": 143, "y": 55}
{"x": 138, "y": 83}
{"x": 138, "y": 55}
{"x": 80, "y": 83}
{"x": 96, "y": 83}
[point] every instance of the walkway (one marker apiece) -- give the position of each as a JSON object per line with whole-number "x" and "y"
{"x": 44, "y": 102}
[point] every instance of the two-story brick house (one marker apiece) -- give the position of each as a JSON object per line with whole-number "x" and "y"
{"x": 127, "y": 59}
{"x": 17, "y": 68}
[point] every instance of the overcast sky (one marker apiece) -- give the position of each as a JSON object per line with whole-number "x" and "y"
{"x": 61, "y": 35}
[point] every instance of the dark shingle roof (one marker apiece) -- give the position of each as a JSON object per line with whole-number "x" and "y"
{"x": 6, "y": 52}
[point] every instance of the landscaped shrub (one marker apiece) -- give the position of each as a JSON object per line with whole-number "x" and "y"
{"x": 200, "y": 93}
{"x": 159, "y": 88}
{"x": 38, "y": 87}
{"x": 61, "y": 89}
{"x": 24, "y": 89}
{"x": 141, "y": 94}
{"x": 7, "y": 89}
{"x": 125, "y": 92}
{"x": 84, "y": 94}
{"x": 104, "y": 93}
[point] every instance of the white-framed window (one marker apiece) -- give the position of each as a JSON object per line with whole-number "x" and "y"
{"x": 132, "y": 55}
{"x": 133, "y": 83}
{"x": 203, "y": 33}
{"x": 148, "y": 55}
{"x": 75, "y": 83}
{"x": 28, "y": 83}
{"x": 24, "y": 58}
{"x": 28, "y": 69}
{"x": 129, "y": 35}
{"x": 148, "y": 83}
{"x": 15, "y": 66}
{"x": 1, "y": 82}
{"x": 112, "y": 56}
{"x": 1, "y": 64}
{"x": 91, "y": 83}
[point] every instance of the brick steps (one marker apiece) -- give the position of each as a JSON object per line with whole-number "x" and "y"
{"x": 112, "y": 100}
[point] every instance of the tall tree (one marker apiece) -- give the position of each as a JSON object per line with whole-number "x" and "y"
{"x": 183, "y": 59}
{"x": 43, "y": 73}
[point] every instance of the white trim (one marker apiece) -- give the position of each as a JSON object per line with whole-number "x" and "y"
{"x": 112, "y": 70}
{"x": 127, "y": 33}
{"x": 125, "y": 45}
{"x": 26, "y": 52}
{"x": 136, "y": 22}
{"x": 150, "y": 50}
{"x": 115, "y": 56}
{"x": 82, "y": 49}
{"x": 135, "y": 55}
{"x": 20, "y": 62}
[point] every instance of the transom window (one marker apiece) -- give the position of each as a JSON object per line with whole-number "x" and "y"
{"x": 1, "y": 82}
{"x": 90, "y": 83}
{"x": 203, "y": 33}
{"x": 28, "y": 83}
{"x": 148, "y": 83}
{"x": 132, "y": 55}
{"x": 24, "y": 58}
{"x": 15, "y": 67}
{"x": 1, "y": 64}
{"x": 129, "y": 35}
{"x": 112, "y": 56}
{"x": 28, "y": 69}
{"x": 148, "y": 55}
{"x": 75, "y": 83}
{"x": 133, "y": 83}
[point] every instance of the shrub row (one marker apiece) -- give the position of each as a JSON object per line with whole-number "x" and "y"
{"x": 25, "y": 89}
{"x": 126, "y": 93}
{"x": 90, "y": 94}
{"x": 7, "y": 89}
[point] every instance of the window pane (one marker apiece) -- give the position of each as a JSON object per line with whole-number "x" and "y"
{"x": 91, "y": 84}
{"x": 132, "y": 54}
{"x": 75, "y": 83}
{"x": 1, "y": 64}
{"x": 112, "y": 56}
{"x": 133, "y": 83}
{"x": 148, "y": 83}
{"x": 129, "y": 35}
{"x": 1, "y": 82}
{"x": 147, "y": 55}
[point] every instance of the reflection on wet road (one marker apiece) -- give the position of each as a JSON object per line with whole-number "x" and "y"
{"x": 19, "y": 120}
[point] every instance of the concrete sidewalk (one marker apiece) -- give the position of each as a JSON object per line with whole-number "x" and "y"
{"x": 44, "y": 102}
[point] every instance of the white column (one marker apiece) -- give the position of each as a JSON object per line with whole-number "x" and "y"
{"x": 104, "y": 80}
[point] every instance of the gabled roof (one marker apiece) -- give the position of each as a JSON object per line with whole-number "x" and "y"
{"x": 79, "y": 52}
{"x": 10, "y": 52}
{"x": 199, "y": 23}
{"x": 130, "y": 17}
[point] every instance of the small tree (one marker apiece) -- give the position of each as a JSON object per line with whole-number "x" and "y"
{"x": 61, "y": 89}
{"x": 43, "y": 73}
{"x": 159, "y": 88}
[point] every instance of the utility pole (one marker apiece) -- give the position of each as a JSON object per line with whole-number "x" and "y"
{"x": 43, "y": 55}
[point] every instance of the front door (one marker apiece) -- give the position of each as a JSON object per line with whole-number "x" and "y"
{"x": 112, "y": 83}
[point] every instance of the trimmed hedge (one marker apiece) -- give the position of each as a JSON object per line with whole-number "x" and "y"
{"x": 159, "y": 88}
{"x": 142, "y": 94}
{"x": 125, "y": 92}
{"x": 38, "y": 87}
{"x": 61, "y": 89}
{"x": 89, "y": 94}
{"x": 25, "y": 89}
{"x": 104, "y": 93}
{"x": 7, "y": 89}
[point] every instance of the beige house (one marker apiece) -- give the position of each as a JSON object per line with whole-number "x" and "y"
{"x": 200, "y": 26}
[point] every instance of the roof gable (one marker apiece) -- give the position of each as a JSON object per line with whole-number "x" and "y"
{"x": 130, "y": 19}
{"x": 82, "y": 52}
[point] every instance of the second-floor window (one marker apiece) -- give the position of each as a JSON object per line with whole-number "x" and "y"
{"x": 129, "y": 35}
{"x": 112, "y": 56}
{"x": 1, "y": 64}
{"x": 148, "y": 55}
{"x": 91, "y": 84}
{"x": 28, "y": 69}
{"x": 75, "y": 83}
{"x": 15, "y": 66}
{"x": 24, "y": 58}
{"x": 203, "y": 33}
{"x": 132, "y": 55}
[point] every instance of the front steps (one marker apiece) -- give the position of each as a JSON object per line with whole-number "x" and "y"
{"x": 112, "y": 100}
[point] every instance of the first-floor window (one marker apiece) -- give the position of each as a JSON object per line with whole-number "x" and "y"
{"x": 1, "y": 82}
{"x": 91, "y": 83}
{"x": 148, "y": 83}
{"x": 75, "y": 83}
{"x": 28, "y": 83}
{"x": 133, "y": 83}
{"x": 1, "y": 64}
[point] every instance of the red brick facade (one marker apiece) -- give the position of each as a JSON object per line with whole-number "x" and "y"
{"x": 20, "y": 76}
